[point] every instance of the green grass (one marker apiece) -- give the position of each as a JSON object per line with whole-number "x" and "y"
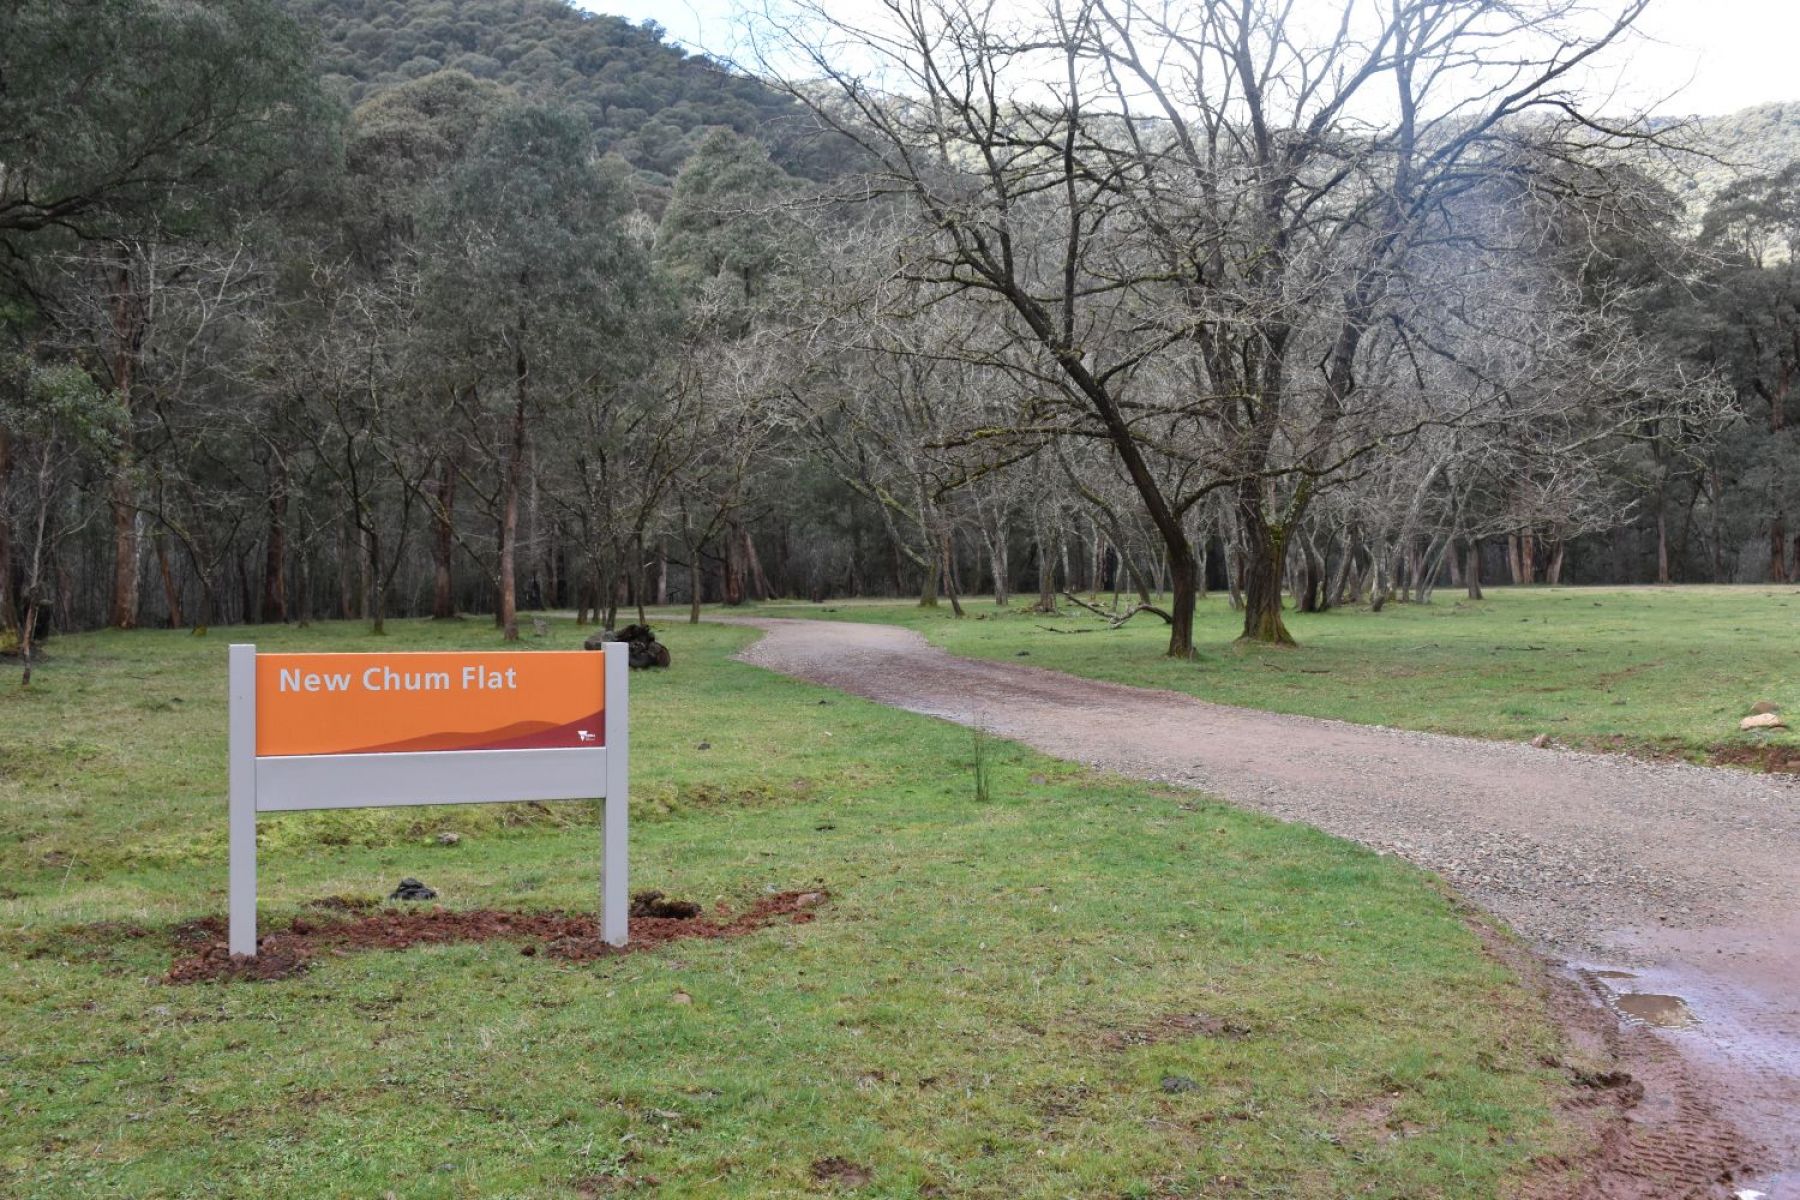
{"x": 1659, "y": 670}
{"x": 982, "y": 1010}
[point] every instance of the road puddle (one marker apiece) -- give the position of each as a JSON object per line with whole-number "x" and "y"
{"x": 1664, "y": 1012}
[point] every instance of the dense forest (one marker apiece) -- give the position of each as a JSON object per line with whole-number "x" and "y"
{"x": 368, "y": 309}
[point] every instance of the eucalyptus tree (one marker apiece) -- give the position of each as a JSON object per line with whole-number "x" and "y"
{"x": 129, "y": 123}
{"x": 539, "y": 283}
{"x": 53, "y": 422}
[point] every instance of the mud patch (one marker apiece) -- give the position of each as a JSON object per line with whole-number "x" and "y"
{"x": 1648, "y": 1125}
{"x": 840, "y": 1172}
{"x": 559, "y": 935}
{"x": 1176, "y": 1027}
{"x": 1774, "y": 757}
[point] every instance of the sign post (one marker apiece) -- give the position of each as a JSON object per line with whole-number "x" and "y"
{"x": 310, "y": 731}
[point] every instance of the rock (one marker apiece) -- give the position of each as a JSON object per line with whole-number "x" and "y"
{"x": 596, "y": 640}
{"x": 681, "y": 998}
{"x": 704, "y": 746}
{"x": 1174, "y": 1084}
{"x": 1764, "y": 707}
{"x": 1541, "y": 740}
{"x": 448, "y": 838}
{"x": 412, "y": 889}
{"x": 1766, "y": 720}
{"x": 809, "y": 899}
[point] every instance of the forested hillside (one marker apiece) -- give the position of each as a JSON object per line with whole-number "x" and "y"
{"x": 1756, "y": 140}
{"x": 646, "y": 100}
{"x": 374, "y": 308}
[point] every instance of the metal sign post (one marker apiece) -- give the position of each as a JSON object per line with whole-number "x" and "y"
{"x": 313, "y": 731}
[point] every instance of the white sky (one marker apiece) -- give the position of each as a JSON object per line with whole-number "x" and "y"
{"x": 1702, "y": 57}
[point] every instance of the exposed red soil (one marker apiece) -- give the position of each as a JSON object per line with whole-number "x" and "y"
{"x": 568, "y": 936}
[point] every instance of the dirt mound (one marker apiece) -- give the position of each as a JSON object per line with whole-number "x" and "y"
{"x": 560, "y": 935}
{"x": 655, "y": 904}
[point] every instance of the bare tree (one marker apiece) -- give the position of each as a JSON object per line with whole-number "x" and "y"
{"x": 1212, "y": 189}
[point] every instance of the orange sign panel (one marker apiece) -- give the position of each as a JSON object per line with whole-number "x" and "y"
{"x": 390, "y": 703}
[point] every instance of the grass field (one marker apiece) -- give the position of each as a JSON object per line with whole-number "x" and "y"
{"x": 1657, "y": 670}
{"x": 1081, "y": 987}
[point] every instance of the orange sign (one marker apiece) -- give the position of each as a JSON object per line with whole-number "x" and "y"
{"x": 390, "y": 703}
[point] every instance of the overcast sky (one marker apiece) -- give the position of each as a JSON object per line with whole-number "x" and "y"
{"x": 1715, "y": 55}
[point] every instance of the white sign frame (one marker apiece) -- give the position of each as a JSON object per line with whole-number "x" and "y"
{"x": 291, "y": 783}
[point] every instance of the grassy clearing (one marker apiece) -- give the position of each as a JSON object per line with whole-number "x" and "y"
{"x": 1659, "y": 670}
{"x": 1081, "y": 987}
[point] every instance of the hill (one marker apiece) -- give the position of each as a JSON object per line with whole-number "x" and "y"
{"x": 1751, "y": 141}
{"x": 648, "y": 100}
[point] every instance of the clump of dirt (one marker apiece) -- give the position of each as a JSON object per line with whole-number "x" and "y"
{"x": 290, "y": 951}
{"x": 841, "y": 1171}
{"x": 796, "y": 907}
{"x": 655, "y": 904}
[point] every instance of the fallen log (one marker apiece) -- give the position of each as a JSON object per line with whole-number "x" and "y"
{"x": 1116, "y": 619}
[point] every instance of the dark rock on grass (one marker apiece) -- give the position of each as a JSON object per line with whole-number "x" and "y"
{"x": 412, "y": 889}
{"x": 651, "y": 903}
{"x": 645, "y": 651}
{"x": 1175, "y": 1084}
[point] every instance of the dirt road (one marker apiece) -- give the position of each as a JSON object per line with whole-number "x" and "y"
{"x": 1672, "y": 891}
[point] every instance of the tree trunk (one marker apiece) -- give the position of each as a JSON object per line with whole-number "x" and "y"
{"x": 127, "y": 313}
{"x": 1267, "y": 546}
{"x": 346, "y": 568}
{"x": 377, "y": 589}
{"x": 1778, "y": 572}
{"x": 1184, "y": 587}
{"x": 1528, "y": 557}
{"x": 928, "y": 587}
{"x": 1046, "y": 566}
{"x": 1472, "y": 568}
{"x": 306, "y": 598}
{"x": 171, "y": 593}
{"x": 1553, "y": 575}
{"x": 734, "y": 567}
{"x": 9, "y": 611}
{"x": 443, "y": 543}
{"x": 754, "y": 575}
{"x": 274, "y": 590}
{"x": 509, "y": 521}
{"x": 947, "y": 556}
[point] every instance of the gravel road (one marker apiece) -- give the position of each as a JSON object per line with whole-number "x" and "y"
{"x": 1651, "y": 877}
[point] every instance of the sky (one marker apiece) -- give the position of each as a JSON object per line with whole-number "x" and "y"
{"x": 1690, "y": 57}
